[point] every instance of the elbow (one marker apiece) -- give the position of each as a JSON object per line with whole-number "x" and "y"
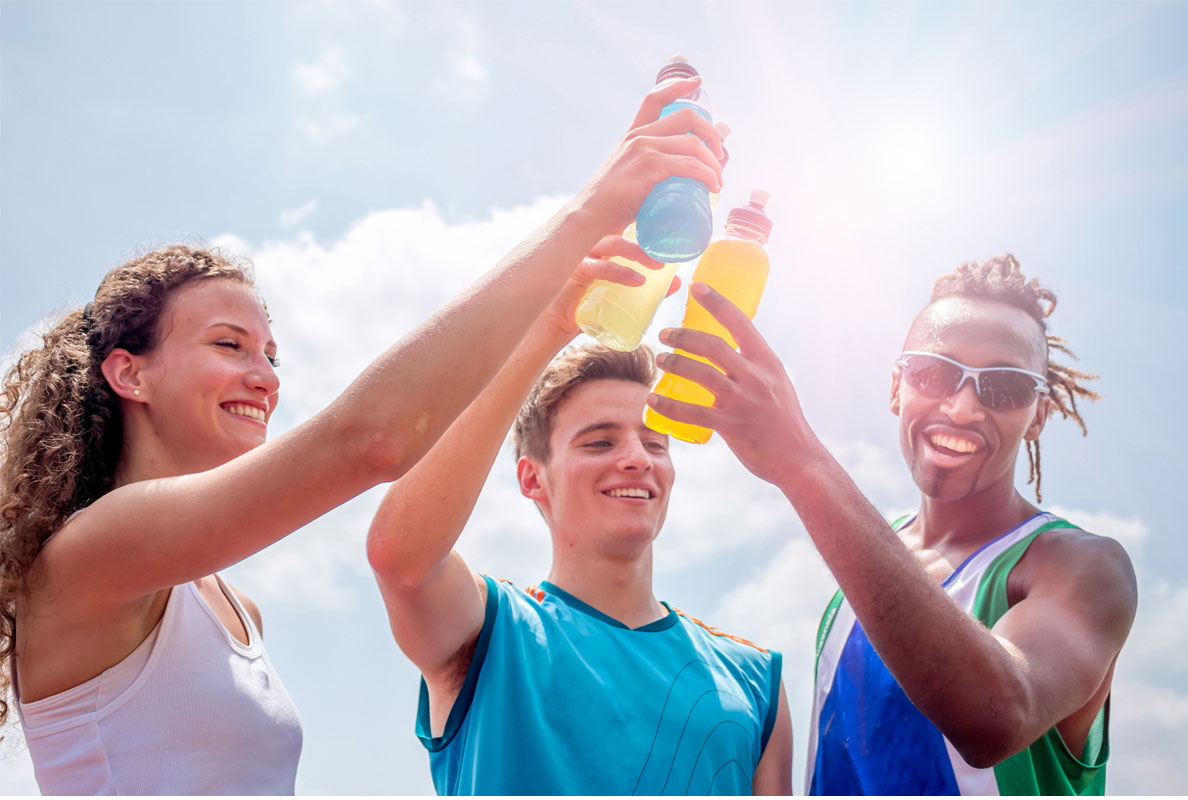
{"x": 384, "y": 555}
{"x": 984, "y": 754}
{"x": 383, "y": 456}
{"x": 380, "y": 553}
{"x": 396, "y": 569}
{"x": 995, "y": 737}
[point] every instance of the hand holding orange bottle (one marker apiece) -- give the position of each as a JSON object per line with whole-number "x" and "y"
{"x": 737, "y": 267}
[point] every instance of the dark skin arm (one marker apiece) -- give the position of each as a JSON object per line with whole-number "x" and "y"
{"x": 992, "y": 692}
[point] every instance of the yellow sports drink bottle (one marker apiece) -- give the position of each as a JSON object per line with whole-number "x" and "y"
{"x": 617, "y": 315}
{"x": 737, "y": 268}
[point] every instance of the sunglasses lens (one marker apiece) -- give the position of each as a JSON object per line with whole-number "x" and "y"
{"x": 997, "y": 389}
{"x": 931, "y": 376}
{"x": 1004, "y": 390}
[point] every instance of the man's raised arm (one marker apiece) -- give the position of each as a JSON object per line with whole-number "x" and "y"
{"x": 435, "y": 603}
{"x": 991, "y": 692}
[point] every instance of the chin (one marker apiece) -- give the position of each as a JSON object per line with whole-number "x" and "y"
{"x": 945, "y": 488}
{"x": 631, "y": 541}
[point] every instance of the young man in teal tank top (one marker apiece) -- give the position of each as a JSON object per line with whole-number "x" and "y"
{"x": 585, "y": 684}
{"x": 971, "y": 648}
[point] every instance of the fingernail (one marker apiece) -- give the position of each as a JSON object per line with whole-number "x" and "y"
{"x": 665, "y": 333}
{"x": 651, "y": 398}
{"x": 661, "y": 358}
{"x": 723, "y": 129}
{"x": 700, "y": 289}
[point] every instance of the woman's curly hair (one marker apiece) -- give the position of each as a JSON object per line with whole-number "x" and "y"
{"x": 60, "y": 424}
{"x": 1001, "y": 279}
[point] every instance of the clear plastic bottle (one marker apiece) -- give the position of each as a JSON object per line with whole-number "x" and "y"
{"x": 737, "y": 268}
{"x": 618, "y": 315}
{"x": 675, "y": 222}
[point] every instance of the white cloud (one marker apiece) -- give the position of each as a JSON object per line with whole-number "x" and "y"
{"x": 328, "y": 127}
{"x": 506, "y": 537}
{"x": 1159, "y": 638}
{"x": 877, "y": 473}
{"x": 319, "y": 566}
{"x": 717, "y": 507}
{"x": 1131, "y": 532}
{"x": 323, "y": 75}
{"x": 781, "y": 604}
{"x": 16, "y": 769}
{"x": 292, "y": 217}
{"x": 1149, "y": 705}
{"x": 469, "y": 68}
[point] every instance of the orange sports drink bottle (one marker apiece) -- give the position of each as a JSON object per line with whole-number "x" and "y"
{"x": 736, "y": 267}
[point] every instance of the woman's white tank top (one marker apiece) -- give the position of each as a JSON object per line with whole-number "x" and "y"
{"x": 192, "y": 710}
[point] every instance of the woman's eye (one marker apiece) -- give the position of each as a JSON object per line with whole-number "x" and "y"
{"x": 234, "y": 345}
{"x": 598, "y": 444}
{"x": 657, "y": 447}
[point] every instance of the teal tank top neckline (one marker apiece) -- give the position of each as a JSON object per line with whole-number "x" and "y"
{"x": 662, "y": 624}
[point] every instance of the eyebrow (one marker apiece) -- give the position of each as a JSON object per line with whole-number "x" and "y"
{"x": 611, "y": 426}
{"x": 240, "y": 330}
{"x": 597, "y": 426}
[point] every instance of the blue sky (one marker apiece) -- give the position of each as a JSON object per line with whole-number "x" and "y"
{"x": 372, "y": 158}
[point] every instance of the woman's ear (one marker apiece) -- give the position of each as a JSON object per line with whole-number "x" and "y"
{"x": 122, "y": 371}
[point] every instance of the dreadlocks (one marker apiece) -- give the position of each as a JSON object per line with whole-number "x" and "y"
{"x": 1001, "y": 279}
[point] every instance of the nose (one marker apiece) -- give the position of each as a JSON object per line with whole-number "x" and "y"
{"x": 964, "y": 406}
{"x": 262, "y": 376}
{"x": 634, "y": 457}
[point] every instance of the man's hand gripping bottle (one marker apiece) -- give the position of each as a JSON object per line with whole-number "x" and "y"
{"x": 736, "y": 266}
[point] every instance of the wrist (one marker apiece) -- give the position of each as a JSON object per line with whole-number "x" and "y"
{"x": 552, "y": 334}
{"x": 579, "y": 218}
{"x": 806, "y": 465}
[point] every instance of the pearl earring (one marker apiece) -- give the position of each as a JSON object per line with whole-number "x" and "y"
{"x": 136, "y": 392}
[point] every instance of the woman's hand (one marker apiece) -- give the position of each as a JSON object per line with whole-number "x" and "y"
{"x": 652, "y": 151}
{"x": 559, "y": 316}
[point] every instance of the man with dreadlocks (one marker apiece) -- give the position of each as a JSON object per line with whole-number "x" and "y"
{"x": 971, "y": 646}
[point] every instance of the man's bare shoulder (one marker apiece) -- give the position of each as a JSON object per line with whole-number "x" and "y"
{"x": 1074, "y": 562}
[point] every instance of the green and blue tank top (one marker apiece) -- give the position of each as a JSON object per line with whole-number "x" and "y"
{"x": 562, "y": 699}
{"x": 866, "y": 737}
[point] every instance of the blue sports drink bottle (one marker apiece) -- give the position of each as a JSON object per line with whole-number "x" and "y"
{"x": 676, "y": 220}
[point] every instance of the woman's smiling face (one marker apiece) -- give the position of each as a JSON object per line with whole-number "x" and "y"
{"x": 210, "y": 384}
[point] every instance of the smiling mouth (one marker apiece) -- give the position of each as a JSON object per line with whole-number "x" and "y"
{"x": 241, "y": 410}
{"x": 953, "y": 445}
{"x": 640, "y": 494}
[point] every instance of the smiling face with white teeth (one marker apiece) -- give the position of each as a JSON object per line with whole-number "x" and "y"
{"x": 606, "y": 482}
{"x": 955, "y": 446}
{"x": 209, "y": 386}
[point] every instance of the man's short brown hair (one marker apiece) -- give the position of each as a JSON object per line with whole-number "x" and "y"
{"x": 574, "y": 366}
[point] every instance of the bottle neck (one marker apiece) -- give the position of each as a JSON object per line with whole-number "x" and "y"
{"x": 736, "y": 229}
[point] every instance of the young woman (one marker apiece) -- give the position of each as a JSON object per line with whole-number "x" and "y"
{"x": 135, "y": 468}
